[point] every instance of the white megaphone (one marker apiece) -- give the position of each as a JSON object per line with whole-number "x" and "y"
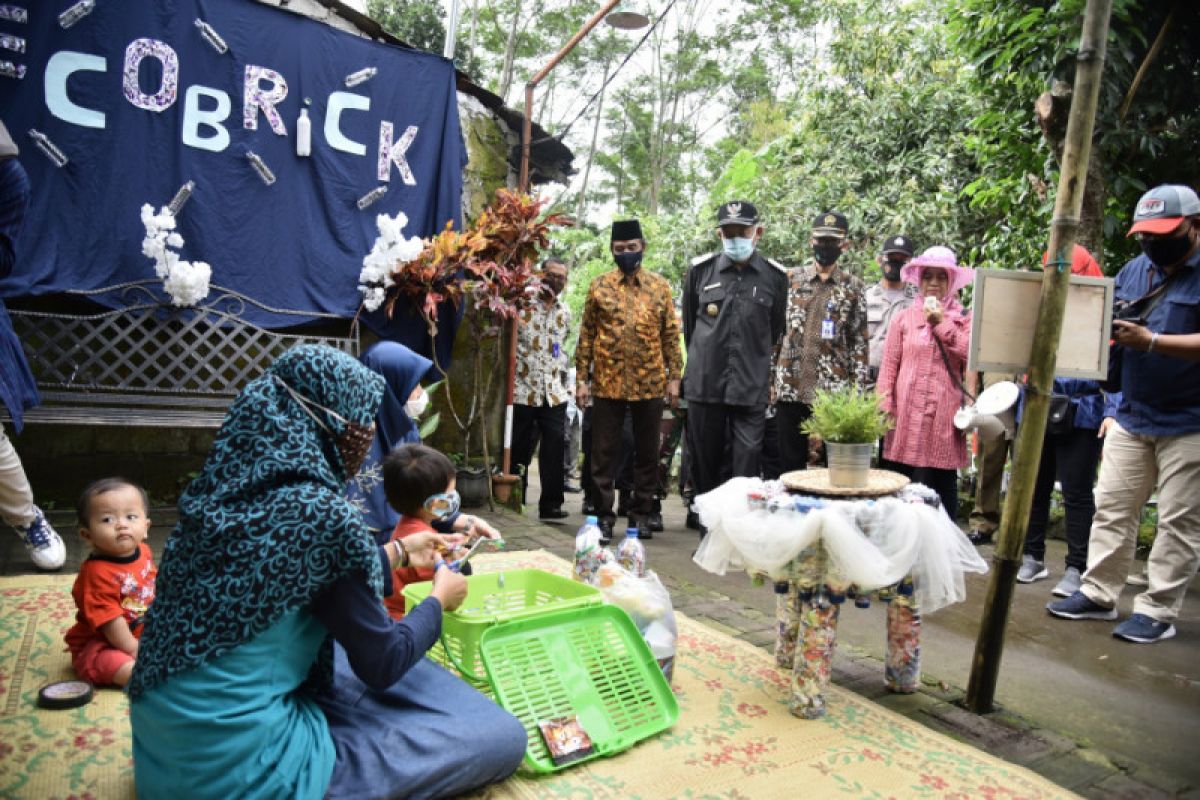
{"x": 994, "y": 412}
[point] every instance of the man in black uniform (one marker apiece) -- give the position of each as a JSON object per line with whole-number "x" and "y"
{"x": 733, "y": 314}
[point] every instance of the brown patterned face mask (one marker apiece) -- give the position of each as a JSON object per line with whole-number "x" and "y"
{"x": 352, "y": 443}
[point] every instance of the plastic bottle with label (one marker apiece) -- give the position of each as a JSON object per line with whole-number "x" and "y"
{"x": 631, "y": 554}
{"x": 590, "y": 555}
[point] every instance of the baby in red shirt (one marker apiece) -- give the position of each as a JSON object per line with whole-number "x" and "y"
{"x": 115, "y": 585}
{"x": 420, "y": 484}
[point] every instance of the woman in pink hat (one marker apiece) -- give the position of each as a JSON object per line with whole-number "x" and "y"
{"x": 920, "y": 379}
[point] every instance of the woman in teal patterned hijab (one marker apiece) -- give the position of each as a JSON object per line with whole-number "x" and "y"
{"x": 235, "y": 691}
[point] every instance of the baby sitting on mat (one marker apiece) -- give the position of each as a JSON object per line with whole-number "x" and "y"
{"x": 115, "y": 585}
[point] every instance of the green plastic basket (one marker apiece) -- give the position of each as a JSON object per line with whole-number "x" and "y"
{"x": 499, "y": 597}
{"x": 590, "y": 663}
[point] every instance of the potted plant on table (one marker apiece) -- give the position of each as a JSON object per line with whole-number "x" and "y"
{"x": 490, "y": 267}
{"x": 849, "y": 422}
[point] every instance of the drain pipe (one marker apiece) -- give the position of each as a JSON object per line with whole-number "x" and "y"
{"x": 451, "y": 31}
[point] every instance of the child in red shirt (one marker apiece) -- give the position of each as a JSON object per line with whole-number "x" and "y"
{"x": 419, "y": 482}
{"x": 115, "y": 585}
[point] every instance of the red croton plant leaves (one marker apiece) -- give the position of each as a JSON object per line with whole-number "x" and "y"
{"x": 491, "y": 264}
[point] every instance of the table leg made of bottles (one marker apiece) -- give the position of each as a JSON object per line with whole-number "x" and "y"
{"x": 807, "y": 609}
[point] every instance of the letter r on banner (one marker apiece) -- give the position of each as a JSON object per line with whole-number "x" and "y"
{"x": 394, "y": 154}
{"x": 256, "y": 98}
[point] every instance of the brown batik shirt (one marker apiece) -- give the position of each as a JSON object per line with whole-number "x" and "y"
{"x": 804, "y": 360}
{"x": 629, "y": 337}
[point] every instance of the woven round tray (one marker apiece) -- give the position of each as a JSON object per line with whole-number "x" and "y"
{"x": 816, "y": 481}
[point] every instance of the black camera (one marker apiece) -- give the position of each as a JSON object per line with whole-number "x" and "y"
{"x": 1127, "y": 311}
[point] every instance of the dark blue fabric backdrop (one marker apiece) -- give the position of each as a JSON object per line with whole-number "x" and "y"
{"x": 297, "y": 244}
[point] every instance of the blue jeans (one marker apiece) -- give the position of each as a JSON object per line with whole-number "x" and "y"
{"x": 429, "y": 735}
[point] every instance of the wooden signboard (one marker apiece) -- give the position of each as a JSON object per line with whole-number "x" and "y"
{"x": 1004, "y": 313}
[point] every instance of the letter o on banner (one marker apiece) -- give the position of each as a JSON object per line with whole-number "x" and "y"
{"x": 164, "y": 98}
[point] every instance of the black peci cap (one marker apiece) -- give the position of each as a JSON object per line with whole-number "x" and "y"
{"x": 625, "y": 229}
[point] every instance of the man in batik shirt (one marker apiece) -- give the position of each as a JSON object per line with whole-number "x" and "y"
{"x": 628, "y": 360}
{"x": 540, "y": 393}
{"x": 824, "y": 345}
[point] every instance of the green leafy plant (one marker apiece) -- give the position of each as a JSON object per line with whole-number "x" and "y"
{"x": 847, "y": 416}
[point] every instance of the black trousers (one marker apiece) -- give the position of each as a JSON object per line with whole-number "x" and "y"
{"x": 769, "y": 463}
{"x": 624, "y": 471}
{"x": 608, "y": 417}
{"x": 1072, "y": 457}
{"x": 720, "y": 434}
{"x": 942, "y": 481}
{"x": 543, "y": 427}
{"x": 793, "y": 445}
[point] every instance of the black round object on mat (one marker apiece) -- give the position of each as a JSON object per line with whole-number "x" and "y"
{"x": 65, "y": 694}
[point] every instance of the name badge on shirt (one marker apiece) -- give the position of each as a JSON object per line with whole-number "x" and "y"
{"x": 827, "y": 329}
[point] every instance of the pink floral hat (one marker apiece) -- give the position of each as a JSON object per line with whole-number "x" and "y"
{"x": 941, "y": 258}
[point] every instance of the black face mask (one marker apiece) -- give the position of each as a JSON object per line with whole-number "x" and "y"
{"x": 554, "y": 285}
{"x": 628, "y": 263}
{"x": 827, "y": 254}
{"x": 1165, "y": 252}
{"x": 891, "y": 270}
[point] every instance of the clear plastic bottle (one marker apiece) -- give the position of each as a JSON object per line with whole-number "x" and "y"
{"x": 589, "y": 554}
{"x": 632, "y": 553}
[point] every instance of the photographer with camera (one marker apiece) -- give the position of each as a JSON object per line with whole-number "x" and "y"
{"x": 1154, "y": 443}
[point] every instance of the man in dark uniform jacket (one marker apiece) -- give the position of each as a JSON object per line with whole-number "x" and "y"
{"x": 733, "y": 314}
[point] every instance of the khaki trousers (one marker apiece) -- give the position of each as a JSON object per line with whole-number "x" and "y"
{"x": 1132, "y": 468}
{"x": 16, "y": 498}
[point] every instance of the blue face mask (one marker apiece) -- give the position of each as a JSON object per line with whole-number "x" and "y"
{"x": 738, "y": 249}
{"x": 444, "y": 505}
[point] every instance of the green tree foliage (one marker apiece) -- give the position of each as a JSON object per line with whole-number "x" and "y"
{"x": 1017, "y": 50}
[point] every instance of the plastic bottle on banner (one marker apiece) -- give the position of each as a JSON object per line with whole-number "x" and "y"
{"x": 632, "y": 553}
{"x": 304, "y": 134}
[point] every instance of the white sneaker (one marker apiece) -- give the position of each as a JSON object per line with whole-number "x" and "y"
{"x": 1069, "y": 585}
{"x": 45, "y": 546}
{"x": 1032, "y": 570}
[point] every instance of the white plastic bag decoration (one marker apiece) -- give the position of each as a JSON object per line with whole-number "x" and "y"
{"x": 186, "y": 282}
{"x": 389, "y": 251}
{"x": 871, "y": 544}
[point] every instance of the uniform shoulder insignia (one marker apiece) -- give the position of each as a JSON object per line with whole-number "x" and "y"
{"x": 777, "y": 265}
{"x": 698, "y": 260}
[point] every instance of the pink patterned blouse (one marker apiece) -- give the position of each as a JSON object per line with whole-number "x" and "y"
{"x": 918, "y": 391}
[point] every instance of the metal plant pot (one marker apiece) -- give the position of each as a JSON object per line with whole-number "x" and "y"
{"x": 849, "y": 464}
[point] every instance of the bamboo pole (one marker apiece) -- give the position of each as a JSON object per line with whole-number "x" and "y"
{"x": 1068, "y": 204}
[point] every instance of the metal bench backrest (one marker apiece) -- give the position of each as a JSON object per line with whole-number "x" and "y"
{"x": 147, "y": 364}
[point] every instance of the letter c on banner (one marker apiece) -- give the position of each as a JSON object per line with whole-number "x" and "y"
{"x": 164, "y": 98}
{"x": 58, "y": 71}
{"x": 339, "y": 102}
{"x": 193, "y": 118}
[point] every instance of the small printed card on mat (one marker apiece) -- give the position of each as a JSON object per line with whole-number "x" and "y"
{"x": 566, "y": 739}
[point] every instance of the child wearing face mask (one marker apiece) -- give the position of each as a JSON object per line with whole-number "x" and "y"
{"x": 420, "y": 484}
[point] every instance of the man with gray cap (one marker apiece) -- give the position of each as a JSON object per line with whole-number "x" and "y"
{"x": 733, "y": 314}
{"x": 887, "y": 297}
{"x": 1154, "y": 443}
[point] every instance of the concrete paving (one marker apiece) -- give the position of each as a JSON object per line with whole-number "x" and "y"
{"x": 1101, "y": 717}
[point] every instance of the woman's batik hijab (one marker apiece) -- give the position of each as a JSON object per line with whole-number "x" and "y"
{"x": 265, "y": 527}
